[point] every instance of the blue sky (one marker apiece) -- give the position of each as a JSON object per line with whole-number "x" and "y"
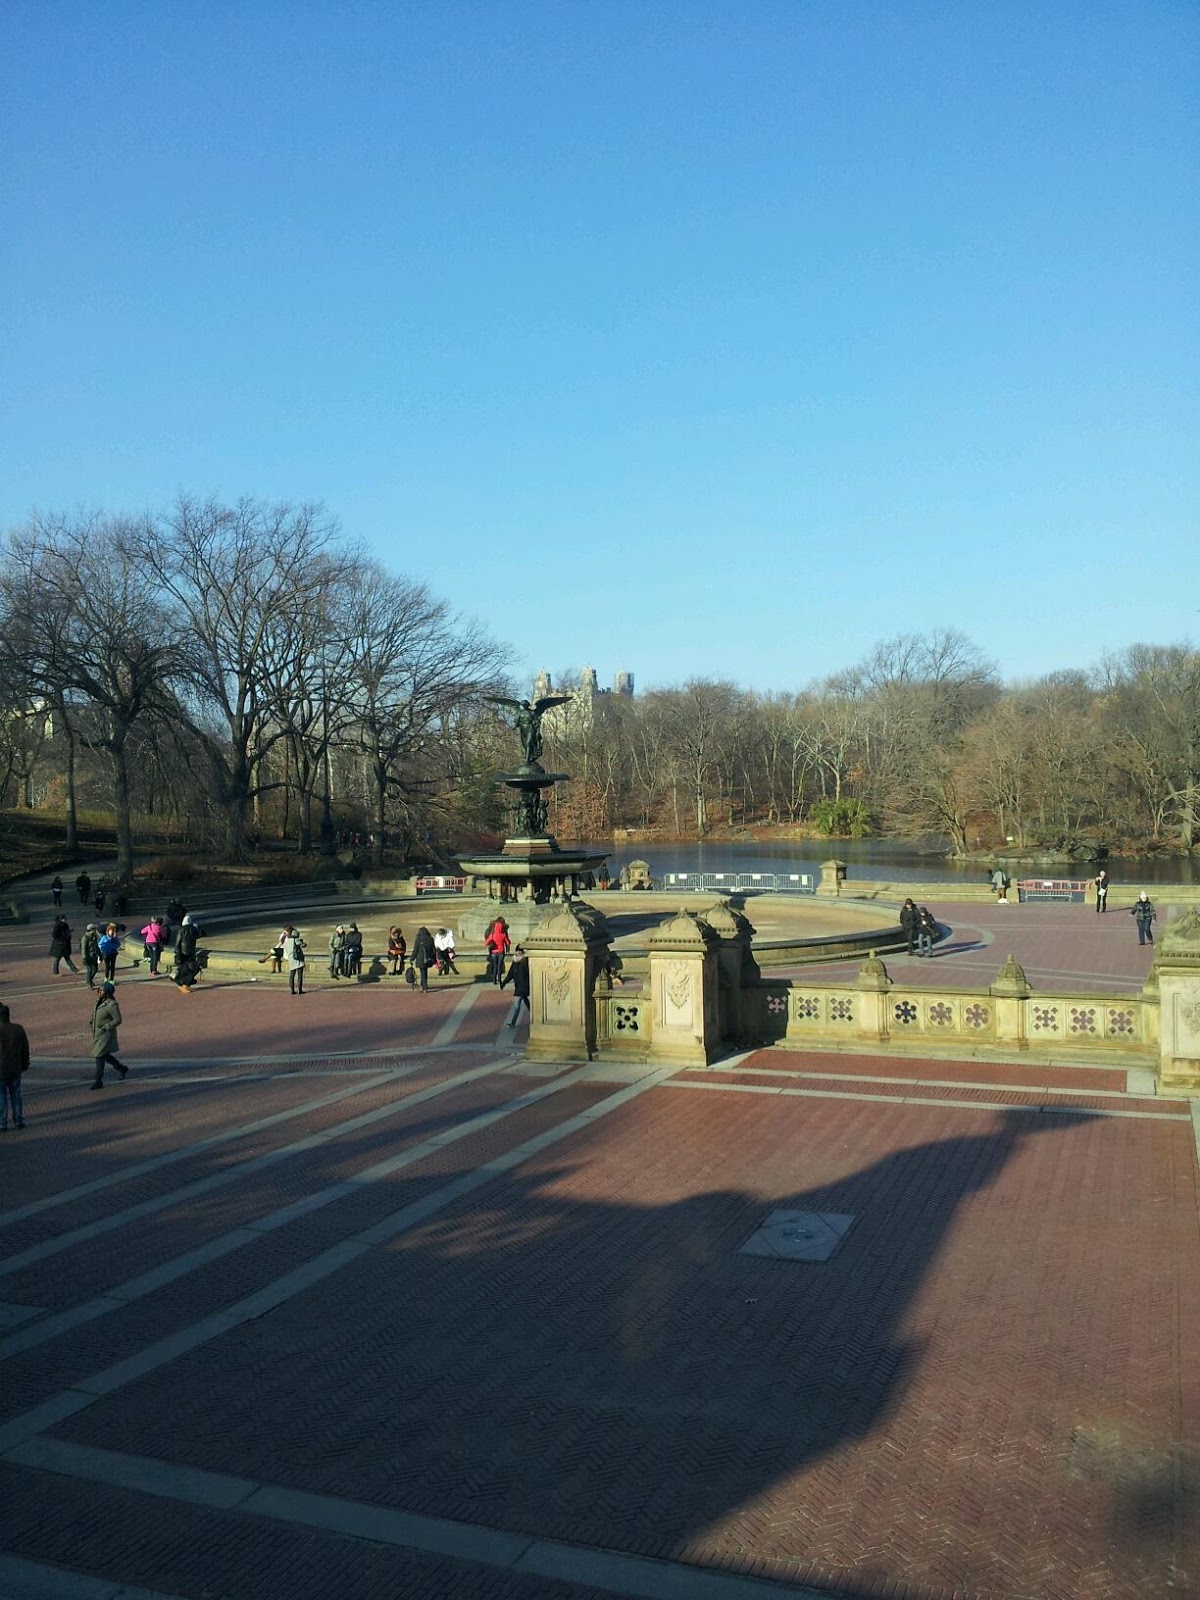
{"x": 691, "y": 339}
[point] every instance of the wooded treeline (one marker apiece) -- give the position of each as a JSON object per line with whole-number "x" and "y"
{"x": 230, "y": 674}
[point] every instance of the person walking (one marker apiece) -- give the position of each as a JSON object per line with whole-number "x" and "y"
{"x": 423, "y": 955}
{"x": 397, "y": 949}
{"x": 518, "y": 976}
{"x": 60, "y": 945}
{"x": 187, "y": 964}
{"x": 84, "y": 886}
{"x": 337, "y": 950}
{"x": 14, "y": 1060}
{"x": 154, "y": 937}
{"x": 1101, "y": 892}
{"x": 910, "y": 922}
{"x": 497, "y": 944}
{"x": 443, "y": 948}
{"x": 106, "y": 1019}
{"x": 110, "y": 946}
{"x": 1000, "y": 885}
{"x": 926, "y": 931}
{"x": 1143, "y": 913}
{"x": 293, "y": 959}
{"x": 89, "y": 949}
{"x": 56, "y": 891}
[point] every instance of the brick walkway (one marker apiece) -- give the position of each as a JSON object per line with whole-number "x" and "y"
{"x": 426, "y": 1323}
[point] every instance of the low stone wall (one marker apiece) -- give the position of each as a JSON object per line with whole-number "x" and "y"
{"x": 872, "y": 1012}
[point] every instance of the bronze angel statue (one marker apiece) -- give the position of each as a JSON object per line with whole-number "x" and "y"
{"x": 527, "y": 720}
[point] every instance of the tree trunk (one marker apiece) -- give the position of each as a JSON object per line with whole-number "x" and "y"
{"x": 72, "y": 818}
{"x": 124, "y": 822}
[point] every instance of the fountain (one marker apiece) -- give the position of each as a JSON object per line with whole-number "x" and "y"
{"x": 532, "y": 869}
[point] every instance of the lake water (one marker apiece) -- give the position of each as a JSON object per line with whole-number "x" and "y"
{"x": 873, "y": 858}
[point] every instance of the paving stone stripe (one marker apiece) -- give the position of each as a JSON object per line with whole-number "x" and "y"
{"x": 31, "y": 1580}
{"x": 923, "y": 1100}
{"x": 329, "y": 1261}
{"x": 238, "y": 1171}
{"x": 454, "y": 1021}
{"x": 920, "y": 1083}
{"x": 637, "y": 1577}
{"x": 185, "y": 1152}
{"x": 120, "y": 1295}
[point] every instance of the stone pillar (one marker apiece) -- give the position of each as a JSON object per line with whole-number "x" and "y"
{"x": 1010, "y": 992}
{"x": 1178, "y": 968}
{"x": 567, "y": 952}
{"x": 736, "y": 968}
{"x": 873, "y": 987}
{"x": 685, "y": 1026}
{"x": 833, "y": 875}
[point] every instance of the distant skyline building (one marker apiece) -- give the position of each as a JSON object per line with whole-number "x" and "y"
{"x": 580, "y": 712}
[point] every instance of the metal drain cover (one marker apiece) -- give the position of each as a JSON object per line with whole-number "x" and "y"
{"x": 798, "y": 1235}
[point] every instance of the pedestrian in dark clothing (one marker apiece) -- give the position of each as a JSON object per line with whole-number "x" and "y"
{"x": 84, "y": 884}
{"x": 106, "y": 1019}
{"x": 337, "y": 951}
{"x": 1101, "y": 891}
{"x": 397, "y": 949}
{"x": 176, "y": 910}
{"x": 352, "y": 952}
{"x": 90, "y": 951}
{"x": 60, "y": 945}
{"x": 518, "y": 976}
{"x": 423, "y": 956}
{"x": 910, "y": 922}
{"x": 926, "y": 932}
{"x": 56, "y": 892}
{"x": 1144, "y": 914}
{"x": 14, "y": 1060}
{"x": 99, "y": 897}
{"x": 187, "y": 965}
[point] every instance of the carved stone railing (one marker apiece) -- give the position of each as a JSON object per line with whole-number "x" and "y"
{"x": 624, "y": 1023}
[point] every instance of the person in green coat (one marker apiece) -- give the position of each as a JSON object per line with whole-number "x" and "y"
{"x": 106, "y": 1019}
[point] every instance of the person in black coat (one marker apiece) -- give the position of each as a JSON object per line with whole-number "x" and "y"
{"x": 518, "y": 976}
{"x": 14, "y": 1060}
{"x": 60, "y": 945}
{"x": 423, "y": 956}
{"x": 910, "y": 922}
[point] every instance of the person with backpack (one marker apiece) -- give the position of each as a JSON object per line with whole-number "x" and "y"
{"x": 497, "y": 944}
{"x": 90, "y": 951}
{"x": 293, "y": 959}
{"x": 423, "y": 956}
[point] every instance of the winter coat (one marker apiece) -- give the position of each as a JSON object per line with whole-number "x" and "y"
{"x": 109, "y": 945}
{"x": 910, "y": 920}
{"x": 518, "y": 976}
{"x": 293, "y": 952}
{"x": 422, "y": 950}
{"x": 154, "y": 933}
{"x": 1143, "y": 912}
{"x": 185, "y": 945}
{"x": 106, "y": 1019}
{"x": 60, "y": 940}
{"x": 90, "y": 948}
{"x": 396, "y": 945}
{"x": 497, "y": 941}
{"x": 14, "y": 1051}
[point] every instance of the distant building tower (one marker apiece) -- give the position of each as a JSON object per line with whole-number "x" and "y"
{"x": 587, "y": 681}
{"x": 541, "y": 686}
{"x": 623, "y": 683}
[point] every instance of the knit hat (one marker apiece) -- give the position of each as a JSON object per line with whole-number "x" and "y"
{"x": 107, "y": 988}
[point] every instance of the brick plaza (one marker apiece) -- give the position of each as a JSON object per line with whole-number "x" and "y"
{"x": 336, "y": 1296}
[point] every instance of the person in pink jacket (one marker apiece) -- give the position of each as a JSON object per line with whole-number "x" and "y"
{"x": 154, "y": 936}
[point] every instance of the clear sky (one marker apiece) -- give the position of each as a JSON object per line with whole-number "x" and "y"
{"x": 718, "y": 337}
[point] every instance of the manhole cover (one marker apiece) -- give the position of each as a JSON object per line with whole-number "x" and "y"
{"x": 799, "y": 1235}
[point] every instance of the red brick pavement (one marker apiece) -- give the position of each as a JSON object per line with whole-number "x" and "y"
{"x": 1063, "y": 948}
{"x": 990, "y": 1391}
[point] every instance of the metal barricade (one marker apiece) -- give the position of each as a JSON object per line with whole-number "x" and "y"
{"x": 741, "y": 882}
{"x": 1071, "y": 890}
{"x": 440, "y": 885}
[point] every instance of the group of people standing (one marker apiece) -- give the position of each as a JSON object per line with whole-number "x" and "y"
{"x": 100, "y": 947}
{"x": 919, "y": 926}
